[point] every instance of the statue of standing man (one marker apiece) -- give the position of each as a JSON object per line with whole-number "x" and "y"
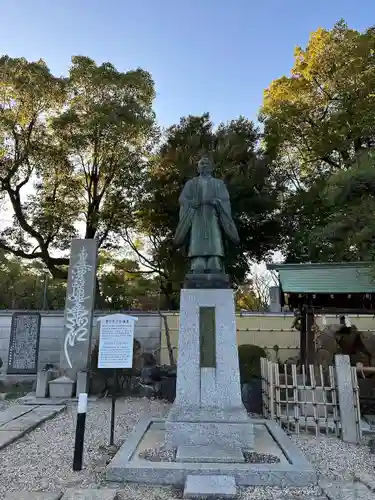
{"x": 205, "y": 220}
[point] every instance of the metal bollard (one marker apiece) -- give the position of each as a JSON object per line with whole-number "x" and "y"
{"x": 80, "y": 431}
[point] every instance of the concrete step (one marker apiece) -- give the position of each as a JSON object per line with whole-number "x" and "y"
{"x": 210, "y": 487}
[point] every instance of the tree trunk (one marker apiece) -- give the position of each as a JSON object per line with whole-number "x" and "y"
{"x": 171, "y": 302}
{"x": 99, "y": 300}
{"x": 172, "y": 361}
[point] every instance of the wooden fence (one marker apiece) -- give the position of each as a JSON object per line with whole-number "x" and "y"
{"x": 302, "y": 401}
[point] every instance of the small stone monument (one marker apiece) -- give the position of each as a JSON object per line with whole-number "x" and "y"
{"x": 79, "y": 311}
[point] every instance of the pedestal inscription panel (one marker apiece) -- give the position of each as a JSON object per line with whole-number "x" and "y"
{"x": 207, "y": 337}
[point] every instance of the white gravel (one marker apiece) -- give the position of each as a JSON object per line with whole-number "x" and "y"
{"x": 42, "y": 460}
{"x": 334, "y": 459}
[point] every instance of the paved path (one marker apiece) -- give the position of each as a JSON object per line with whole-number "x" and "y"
{"x": 331, "y": 490}
{"x": 361, "y": 488}
{"x": 17, "y": 420}
{"x": 70, "y": 494}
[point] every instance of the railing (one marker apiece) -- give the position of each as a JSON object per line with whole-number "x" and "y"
{"x": 304, "y": 401}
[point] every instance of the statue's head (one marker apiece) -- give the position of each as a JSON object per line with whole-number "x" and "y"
{"x": 205, "y": 165}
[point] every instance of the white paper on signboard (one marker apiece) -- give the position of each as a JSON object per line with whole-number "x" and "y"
{"x": 116, "y": 337}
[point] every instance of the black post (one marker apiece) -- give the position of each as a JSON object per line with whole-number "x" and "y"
{"x": 113, "y": 409}
{"x": 80, "y": 431}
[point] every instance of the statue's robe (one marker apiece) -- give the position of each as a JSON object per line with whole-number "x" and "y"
{"x": 200, "y": 229}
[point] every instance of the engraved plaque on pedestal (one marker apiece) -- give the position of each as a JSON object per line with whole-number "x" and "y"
{"x": 207, "y": 337}
{"x": 24, "y": 343}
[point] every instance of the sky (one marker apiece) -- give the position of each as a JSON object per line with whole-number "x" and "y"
{"x": 204, "y": 55}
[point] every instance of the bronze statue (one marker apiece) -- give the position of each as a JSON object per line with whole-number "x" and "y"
{"x": 205, "y": 219}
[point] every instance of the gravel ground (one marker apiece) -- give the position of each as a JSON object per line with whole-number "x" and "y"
{"x": 251, "y": 457}
{"x": 42, "y": 460}
{"x": 334, "y": 459}
{"x": 159, "y": 454}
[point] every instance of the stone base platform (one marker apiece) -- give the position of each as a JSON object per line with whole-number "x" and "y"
{"x": 231, "y": 434}
{"x": 210, "y": 487}
{"x": 293, "y": 469}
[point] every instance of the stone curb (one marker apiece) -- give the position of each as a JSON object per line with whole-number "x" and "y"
{"x": 339, "y": 490}
{"x": 70, "y": 494}
{"x": 295, "y": 471}
{"x": 32, "y": 495}
{"x": 366, "y": 479}
{"x": 9, "y": 436}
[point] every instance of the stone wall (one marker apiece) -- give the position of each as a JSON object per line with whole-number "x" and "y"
{"x": 147, "y": 331}
{"x": 265, "y": 330}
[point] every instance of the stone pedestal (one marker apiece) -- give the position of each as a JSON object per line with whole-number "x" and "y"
{"x": 208, "y": 408}
{"x": 42, "y": 384}
{"x": 62, "y": 387}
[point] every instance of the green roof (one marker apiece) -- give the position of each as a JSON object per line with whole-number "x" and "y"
{"x": 344, "y": 277}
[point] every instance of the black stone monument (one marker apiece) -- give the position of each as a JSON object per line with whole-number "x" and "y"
{"x": 24, "y": 344}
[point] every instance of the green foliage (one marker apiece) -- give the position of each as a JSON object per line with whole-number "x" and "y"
{"x": 247, "y": 300}
{"x": 323, "y": 113}
{"x": 249, "y": 360}
{"x": 24, "y": 286}
{"x": 350, "y": 206}
{"x": 82, "y": 155}
{"x": 80, "y": 143}
{"x": 30, "y": 286}
{"x": 318, "y": 123}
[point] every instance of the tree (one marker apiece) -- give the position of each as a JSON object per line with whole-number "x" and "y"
{"x": 28, "y": 286}
{"x": 302, "y": 211}
{"x": 254, "y": 294}
{"x": 76, "y": 148}
{"x": 321, "y": 116}
{"x": 124, "y": 286}
{"x": 253, "y": 190}
{"x": 349, "y": 201}
{"x": 317, "y": 122}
